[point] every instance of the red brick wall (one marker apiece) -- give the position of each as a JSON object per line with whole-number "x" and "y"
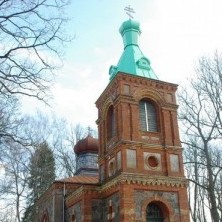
{"x": 124, "y": 93}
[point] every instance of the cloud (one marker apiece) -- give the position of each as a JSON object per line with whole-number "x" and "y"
{"x": 78, "y": 89}
{"x": 174, "y": 35}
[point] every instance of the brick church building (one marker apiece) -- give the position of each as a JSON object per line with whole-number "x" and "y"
{"x": 134, "y": 171}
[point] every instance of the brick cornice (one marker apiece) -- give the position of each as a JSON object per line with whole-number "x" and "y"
{"x": 128, "y": 78}
{"x": 126, "y": 178}
{"x": 145, "y": 180}
{"x": 170, "y": 107}
{"x": 145, "y": 81}
{"x": 76, "y": 196}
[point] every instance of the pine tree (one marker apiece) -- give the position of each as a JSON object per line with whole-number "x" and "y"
{"x": 42, "y": 174}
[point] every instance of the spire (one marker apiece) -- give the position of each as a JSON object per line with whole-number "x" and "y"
{"x": 132, "y": 60}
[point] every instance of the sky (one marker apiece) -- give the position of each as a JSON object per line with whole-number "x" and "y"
{"x": 175, "y": 34}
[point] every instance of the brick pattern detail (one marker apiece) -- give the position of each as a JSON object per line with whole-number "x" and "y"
{"x": 141, "y": 196}
{"x": 124, "y": 94}
{"x": 107, "y": 209}
{"x": 52, "y": 202}
{"x": 128, "y": 181}
{"x": 75, "y": 211}
{"x": 160, "y": 179}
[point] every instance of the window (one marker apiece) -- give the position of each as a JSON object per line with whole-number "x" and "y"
{"x": 111, "y": 213}
{"x": 73, "y": 218}
{"x": 110, "y": 123}
{"x": 45, "y": 217}
{"x": 154, "y": 213}
{"x": 148, "y": 121}
{"x": 111, "y": 168}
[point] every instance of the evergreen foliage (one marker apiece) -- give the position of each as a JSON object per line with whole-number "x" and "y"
{"x": 42, "y": 175}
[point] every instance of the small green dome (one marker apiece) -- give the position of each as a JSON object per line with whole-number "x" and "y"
{"x": 129, "y": 25}
{"x": 132, "y": 60}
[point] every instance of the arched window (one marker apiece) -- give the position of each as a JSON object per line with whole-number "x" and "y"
{"x": 148, "y": 118}
{"x": 110, "y": 123}
{"x": 154, "y": 213}
{"x": 73, "y": 218}
{"x": 45, "y": 217}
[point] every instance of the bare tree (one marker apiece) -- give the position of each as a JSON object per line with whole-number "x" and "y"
{"x": 13, "y": 184}
{"x": 64, "y": 141}
{"x": 60, "y": 136}
{"x": 31, "y": 33}
{"x": 7, "y": 215}
{"x": 15, "y": 156}
{"x": 31, "y": 36}
{"x": 200, "y": 114}
{"x": 9, "y": 120}
{"x": 14, "y": 171}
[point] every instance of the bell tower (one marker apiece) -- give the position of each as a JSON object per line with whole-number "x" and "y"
{"x": 140, "y": 154}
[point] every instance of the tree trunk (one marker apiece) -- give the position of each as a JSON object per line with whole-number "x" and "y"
{"x": 211, "y": 187}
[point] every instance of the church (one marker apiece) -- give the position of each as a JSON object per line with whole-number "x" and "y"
{"x": 134, "y": 171}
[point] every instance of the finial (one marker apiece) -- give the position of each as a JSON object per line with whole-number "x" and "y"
{"x": 129, "y": 10}
{"x": 90, "y": 131}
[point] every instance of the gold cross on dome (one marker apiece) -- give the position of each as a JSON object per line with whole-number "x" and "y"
{"x": 129, "y": 11}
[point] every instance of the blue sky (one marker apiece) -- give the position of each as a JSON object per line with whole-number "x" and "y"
{"x": 175, "y": 34}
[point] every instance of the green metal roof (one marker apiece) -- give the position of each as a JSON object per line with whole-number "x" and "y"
{"x": 132, "y": 60}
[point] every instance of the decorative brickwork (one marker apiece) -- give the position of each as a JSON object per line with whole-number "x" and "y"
{"x": 174, "y": 163}
{"x": 119, "y": 161}
{"x": 151, "y": 157}
{"x": 106, "y": 210}
{"x": 46, "y": 207}
{"x": 131, "y": 158}
{"x": 52, "y": 203}
{"x": 98, "y": 210}
{"x": 152, "y": 161}
{"x": 142, "y": 198}
{"x": 74, "y": 213}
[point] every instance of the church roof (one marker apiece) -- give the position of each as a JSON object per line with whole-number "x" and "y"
{"x": 132, "y": 60}
{"x": 81, "y": 179}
